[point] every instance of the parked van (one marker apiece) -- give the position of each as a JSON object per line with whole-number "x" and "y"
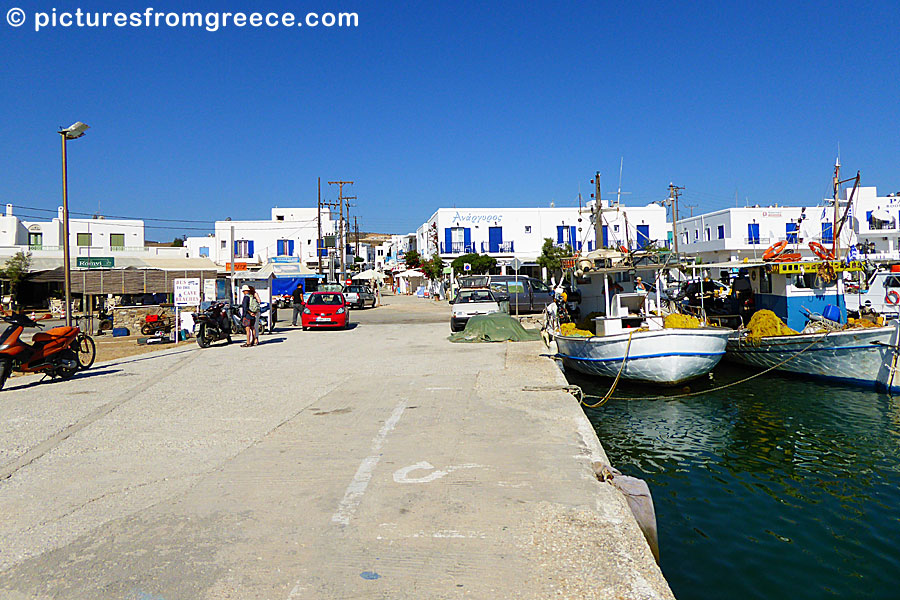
{"x": 530, "y": 294}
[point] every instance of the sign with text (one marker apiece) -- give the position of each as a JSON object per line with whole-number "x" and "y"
{"x": 285, "y": 259}
{"x": 187, "y": 291}
{"x": 238, "y": 266}
{"x": 209, "y": 290}
{"x": 99, "y": 262}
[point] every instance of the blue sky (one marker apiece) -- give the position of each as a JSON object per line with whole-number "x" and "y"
{"x": 433, "y": 104}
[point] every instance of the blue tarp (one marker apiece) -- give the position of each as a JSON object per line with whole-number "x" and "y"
{"x": 287, "y": 285}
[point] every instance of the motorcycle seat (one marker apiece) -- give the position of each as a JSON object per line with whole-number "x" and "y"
{"x": 56, "y": 332}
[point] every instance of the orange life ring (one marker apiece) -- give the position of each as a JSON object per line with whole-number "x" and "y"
{"x": 892, "y": 298}
{"x": 789, "y": 257}
{"x": 775, "y": 249}
{"x": 821, "y": 251}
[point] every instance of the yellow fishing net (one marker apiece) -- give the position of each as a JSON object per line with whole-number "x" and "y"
{"x": 678, "y": 321}
{"x": 860, "y": 323}
{"x": 571, "y": 329}
{"x": 765, "y": 323}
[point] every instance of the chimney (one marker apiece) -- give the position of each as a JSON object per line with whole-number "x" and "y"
{"x": 59, "y": 213}
{"x": 9, "y": 210}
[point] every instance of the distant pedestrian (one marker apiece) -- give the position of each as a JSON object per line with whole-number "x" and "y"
{"x": 297, "y": 301}
{"x": 249, "y": 314}
{"x": 255, "y": 308}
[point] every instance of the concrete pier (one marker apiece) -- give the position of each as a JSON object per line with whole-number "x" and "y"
{"x": 379, "y": 462}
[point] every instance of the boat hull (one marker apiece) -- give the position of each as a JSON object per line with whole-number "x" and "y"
{"x": 662, "y": 357}
{"x": 859, "y": 357}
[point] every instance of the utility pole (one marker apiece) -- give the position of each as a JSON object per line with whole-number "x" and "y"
{"x": 340, "y": 203}
{"x": 356, "y": 228}
{"x": 319, "y": 243}
{"x": 674, "y": 192}
{"x": 231, "y": 264}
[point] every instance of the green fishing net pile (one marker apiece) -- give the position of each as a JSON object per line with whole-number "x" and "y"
{"x": 497, "y": 327}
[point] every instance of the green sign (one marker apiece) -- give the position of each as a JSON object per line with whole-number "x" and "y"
{"x": 102, "y": 262}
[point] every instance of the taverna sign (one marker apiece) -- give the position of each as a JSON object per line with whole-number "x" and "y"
{"x": 475, "y": 219}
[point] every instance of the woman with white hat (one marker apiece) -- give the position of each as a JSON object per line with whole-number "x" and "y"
{"x": 248, "y": 315}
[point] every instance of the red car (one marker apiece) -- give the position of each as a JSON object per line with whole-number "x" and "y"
{"x": 325, "y": 309}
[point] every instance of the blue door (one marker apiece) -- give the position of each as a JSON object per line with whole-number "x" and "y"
{"x": 605, "y": 236}
{"x": 791, "y": 232}
{"x": 643, "y": 236}
{"x": 467, "y": 239}
{"x": 753, "y": 233}
{"x": 448, "y": 240}
{"x": 827, "y": 235}
{"x": 573, "y": 238}
{"x": 495, "y": 238}
{"x": 560, "y": 234}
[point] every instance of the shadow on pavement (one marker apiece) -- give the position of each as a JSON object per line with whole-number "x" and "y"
{"x": 38, "y": 379}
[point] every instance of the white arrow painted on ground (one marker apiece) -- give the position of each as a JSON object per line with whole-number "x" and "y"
{"x": 402, "y": 475}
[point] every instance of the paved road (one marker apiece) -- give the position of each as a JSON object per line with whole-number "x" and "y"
{"x": 378, "y": 462}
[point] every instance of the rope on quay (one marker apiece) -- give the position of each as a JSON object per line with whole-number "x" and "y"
{"x": 579, "y": 393}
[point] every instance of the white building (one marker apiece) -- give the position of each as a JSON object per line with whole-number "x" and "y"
{"x": 733, "y": 234}
{"x": 291, "y": 232}
{"x": 507, "y": 233}
{"x": 877, "y": 222}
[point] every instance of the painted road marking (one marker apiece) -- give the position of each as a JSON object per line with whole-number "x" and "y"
{"x": 402, "y": 475}
{"x": 356, "y": 489}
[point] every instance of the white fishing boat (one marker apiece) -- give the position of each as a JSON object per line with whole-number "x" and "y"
{"x": 865, "y": 357}
{"x": 631, "y": 341}
{"x": 662, "y": 356}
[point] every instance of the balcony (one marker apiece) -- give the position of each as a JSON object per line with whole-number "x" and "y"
{"x": 756, "y": 241}
{"x": 501, "y": 248}
{"x": 457, "y": 248}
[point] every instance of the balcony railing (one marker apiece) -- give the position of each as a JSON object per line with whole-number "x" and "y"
{"x": 501, "y": 248}
{"x": 457, "y": 248}
{"x": 757, "y": 241}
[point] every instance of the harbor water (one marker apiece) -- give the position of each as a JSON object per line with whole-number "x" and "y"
{"x": 775, "y": 488}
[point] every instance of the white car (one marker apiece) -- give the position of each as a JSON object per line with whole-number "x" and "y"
{"x": 471, "y": 302}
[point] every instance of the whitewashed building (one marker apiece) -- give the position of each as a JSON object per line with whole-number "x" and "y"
{"x": 290, "y": 232}
{"x": 508, "y": 233}
{"x": 733, "y": 234}
{"x": 877, "y": 222}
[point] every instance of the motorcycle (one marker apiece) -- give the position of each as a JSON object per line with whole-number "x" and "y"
{"x": 213, "y": 324}
{"x": 58, "y": 352}
{"x": 157, "y": 322}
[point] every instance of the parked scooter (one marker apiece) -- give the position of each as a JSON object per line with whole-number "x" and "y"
{"x": 213, "y": 324}
{"x": 54, "y": 352}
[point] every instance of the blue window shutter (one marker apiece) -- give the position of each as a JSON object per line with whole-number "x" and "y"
{"x": 869, "y": 216}
{"x": 250, "y": 249}
{"x": 721, "y": 231}
{"x": 279, "y": 247}
{"x": 236, "y": 252}
{"x": 605, "y": 236}
{"x": 573, "y": 237}
{"x": 467, "y": 238}
{"x": 448, "y": 240}
{"x": 559, "y": 233}
{"x": 290, "y": 247}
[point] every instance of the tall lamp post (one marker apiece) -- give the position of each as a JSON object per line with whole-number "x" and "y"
{"x": 73, "y": 132}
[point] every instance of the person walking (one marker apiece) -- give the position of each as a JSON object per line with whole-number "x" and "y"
{"x": 248, "y": 317}
{"x": 297, "y": 301}
{"x": 255, "y": 308}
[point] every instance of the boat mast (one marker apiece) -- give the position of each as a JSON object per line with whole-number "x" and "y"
{"x": 836, "y": 185}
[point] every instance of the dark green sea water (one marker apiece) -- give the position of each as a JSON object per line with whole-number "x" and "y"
{"x": 778, "y": 488}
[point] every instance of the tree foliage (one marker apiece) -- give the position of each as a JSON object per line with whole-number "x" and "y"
{"x": 433, "y": 268}
{"x": 552, "y": 254}
{"x": 481, "y": 263}
{"x": 413, "y": 259}
{"x": 15, "y": 271}
{"x": 178, "y": 242}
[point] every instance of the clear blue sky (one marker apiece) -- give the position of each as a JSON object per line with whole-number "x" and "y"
{"x": 431, "y": 104}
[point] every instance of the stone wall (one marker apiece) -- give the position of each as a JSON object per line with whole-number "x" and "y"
{"x": 133, "y": 317}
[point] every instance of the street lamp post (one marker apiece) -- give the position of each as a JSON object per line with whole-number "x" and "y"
{"x": 73, "y": 132}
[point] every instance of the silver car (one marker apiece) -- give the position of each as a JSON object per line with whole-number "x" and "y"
{"x": 359, "y": 296}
